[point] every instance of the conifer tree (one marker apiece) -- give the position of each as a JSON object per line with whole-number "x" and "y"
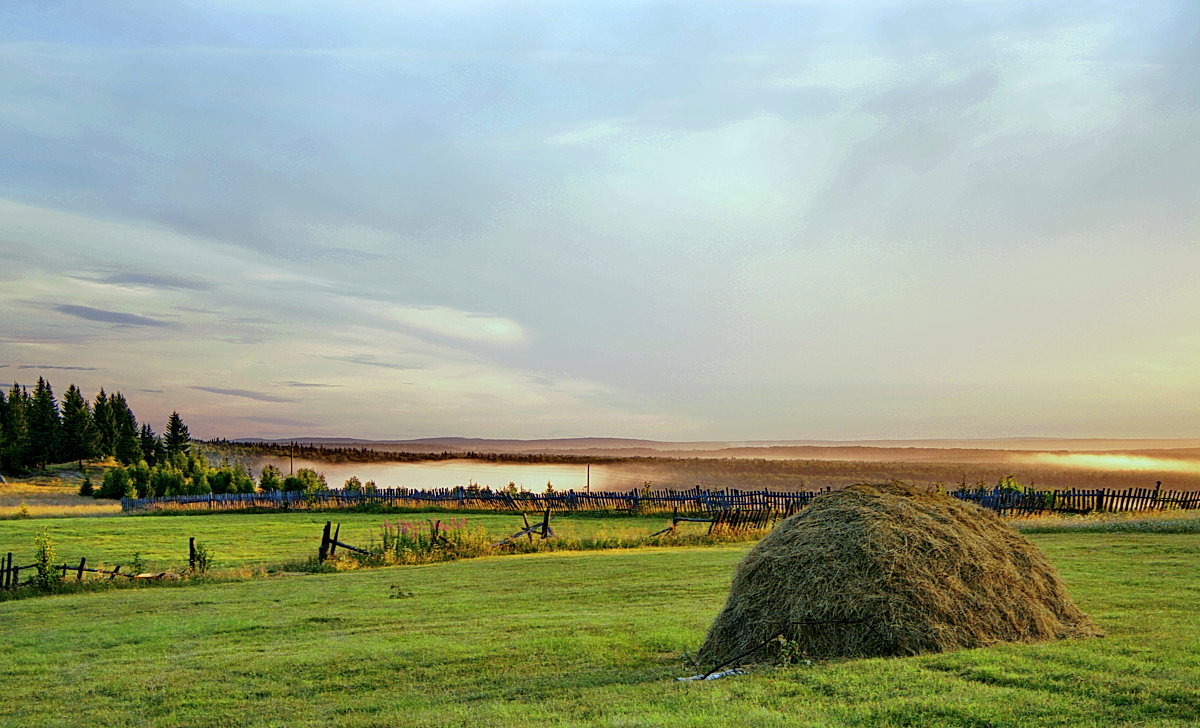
{"x": 45, "y": 426}
{"x": 14, "y": 456}
{"x": 78, "y": 427}
{"x": 106, "y": 429}
{"x": 3, "y": 421}
{"x": 176, "y": 439}
{"x": 151, "y": 445}
{"x": 127, "y": 446}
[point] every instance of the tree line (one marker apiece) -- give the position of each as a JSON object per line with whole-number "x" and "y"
{"x": 35, "y": 431}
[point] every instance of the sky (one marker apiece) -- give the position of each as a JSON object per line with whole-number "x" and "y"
{"x": 669, "y": 220}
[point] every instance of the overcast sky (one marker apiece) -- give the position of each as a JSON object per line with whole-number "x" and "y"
{"x": 675, "y": 220}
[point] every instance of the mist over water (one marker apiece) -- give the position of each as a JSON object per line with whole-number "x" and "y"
{"x": 451, "y": 473}
{"x": 1116, "y": 462}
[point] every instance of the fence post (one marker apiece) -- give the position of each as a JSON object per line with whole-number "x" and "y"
{"x": 323, "y": 552}
{"x": 82, "y": 561}
{"x": 192, "y": 552}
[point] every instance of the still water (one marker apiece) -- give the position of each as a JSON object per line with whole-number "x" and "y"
{"x": 450, "y": 473}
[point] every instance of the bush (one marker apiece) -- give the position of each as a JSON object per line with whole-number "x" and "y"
{"x": 203, "y": 559}
{"x": 117, "y": 485}
{"x": 47, "y": 577}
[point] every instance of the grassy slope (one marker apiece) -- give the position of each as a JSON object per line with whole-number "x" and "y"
{"x": 576, "y": 639}
{"x": 246, "y": 539}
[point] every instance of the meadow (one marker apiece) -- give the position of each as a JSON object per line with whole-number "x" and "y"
{"x": 248, "y": 540}
{"x": 582, "y": 639}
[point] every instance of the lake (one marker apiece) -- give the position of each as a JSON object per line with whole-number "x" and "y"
{"x": 450, "y": 473}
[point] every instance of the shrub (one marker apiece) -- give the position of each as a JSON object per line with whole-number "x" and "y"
{"x": 46, "y": 577}
{"x": 203, "y": 559}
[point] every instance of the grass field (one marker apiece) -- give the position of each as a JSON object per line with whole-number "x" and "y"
{"x": 588, "y": 638}
{"x": 264, "y": 539}
{"x": 53, "y": 494}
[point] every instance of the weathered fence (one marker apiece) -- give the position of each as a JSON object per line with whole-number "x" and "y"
{"x": 10, "y": 573}
{"x": 659, "y": 501}
{"x": 1013, "y": 502}
{"x": 637, "y": 501}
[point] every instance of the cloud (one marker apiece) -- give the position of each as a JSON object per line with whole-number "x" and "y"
{"x": 51, "y": 366}
{"x": 371, "y": 361}
{"x": 309, "y": 384}
{"x": 285, "y": 421}
{"x": 456, "y": 324}
{"x": 108, "y": 317}
{"x": 243, "y": 393}
{"x": 154, "y": 280}
{"x": 595, "y": 132}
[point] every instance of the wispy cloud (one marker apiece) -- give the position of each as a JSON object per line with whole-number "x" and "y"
{"x": 154, "y": 280}
{"x": 454, "y": 323}
{"x": 371, "y": 361}
{"x": 309, "y": 384}
{"x": 109, "y": 317}
{"x": 243, "y": 393}
{"x": 285, "y": 421}
{"x": 52, "y": 366}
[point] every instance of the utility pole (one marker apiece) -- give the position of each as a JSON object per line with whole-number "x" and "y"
{"x": 291, "y": 458}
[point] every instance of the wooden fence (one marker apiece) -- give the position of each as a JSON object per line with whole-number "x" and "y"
{"x": 1081, "y": 501}
{"x": 636, "y": 501}
{"x": 696, "y": 500}
{"x": 10, "y": 573}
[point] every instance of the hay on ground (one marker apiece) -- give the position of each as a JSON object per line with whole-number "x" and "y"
{"x": 892, "y": 570}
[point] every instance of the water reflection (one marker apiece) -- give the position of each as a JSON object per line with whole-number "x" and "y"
{"x": 450, "y": 473}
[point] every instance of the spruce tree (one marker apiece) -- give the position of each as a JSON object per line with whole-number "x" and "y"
{"x": 14, "y": 457}
{"x": 176, "y": 439}
{"x": 150, "y": 444}
{"x": 106, "y": 429}
{"x": 45, "y": 426}
{"x": 127, "y": 446}
{"x": 78, "y": 427}
{"x": 3, "y": 421}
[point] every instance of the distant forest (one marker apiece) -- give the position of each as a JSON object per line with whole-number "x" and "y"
{"x": 35, "y": 431}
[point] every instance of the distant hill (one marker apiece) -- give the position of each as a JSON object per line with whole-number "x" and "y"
{"x": 963, "y": 450}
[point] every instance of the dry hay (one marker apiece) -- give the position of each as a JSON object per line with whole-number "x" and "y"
{"x": 892, "y": 570}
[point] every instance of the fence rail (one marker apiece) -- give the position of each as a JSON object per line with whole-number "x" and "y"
{"x": 658, "y": 501}
{"x": 697, "y": 499}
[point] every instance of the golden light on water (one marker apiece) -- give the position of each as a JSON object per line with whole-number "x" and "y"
{"x": 1089, "y": 461}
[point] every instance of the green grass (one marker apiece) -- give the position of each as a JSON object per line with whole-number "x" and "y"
{"x": 576, "y": 639}
{"x": 262, "y": 539}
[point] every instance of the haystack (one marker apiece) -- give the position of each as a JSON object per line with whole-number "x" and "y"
{"x": 876, "y": 570}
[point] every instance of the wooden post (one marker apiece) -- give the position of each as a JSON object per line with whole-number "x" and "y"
{"x": 192, "y": 552}
{"x": 527, "y": 531}
{"x": 1157, "y": 488}
{"x": 546, "y": 532}
{"x": 324, "y": 550}
{"x": 6, "y": 571}
{"x": 334, "y": 543}
{"x": 82, "y": 561}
